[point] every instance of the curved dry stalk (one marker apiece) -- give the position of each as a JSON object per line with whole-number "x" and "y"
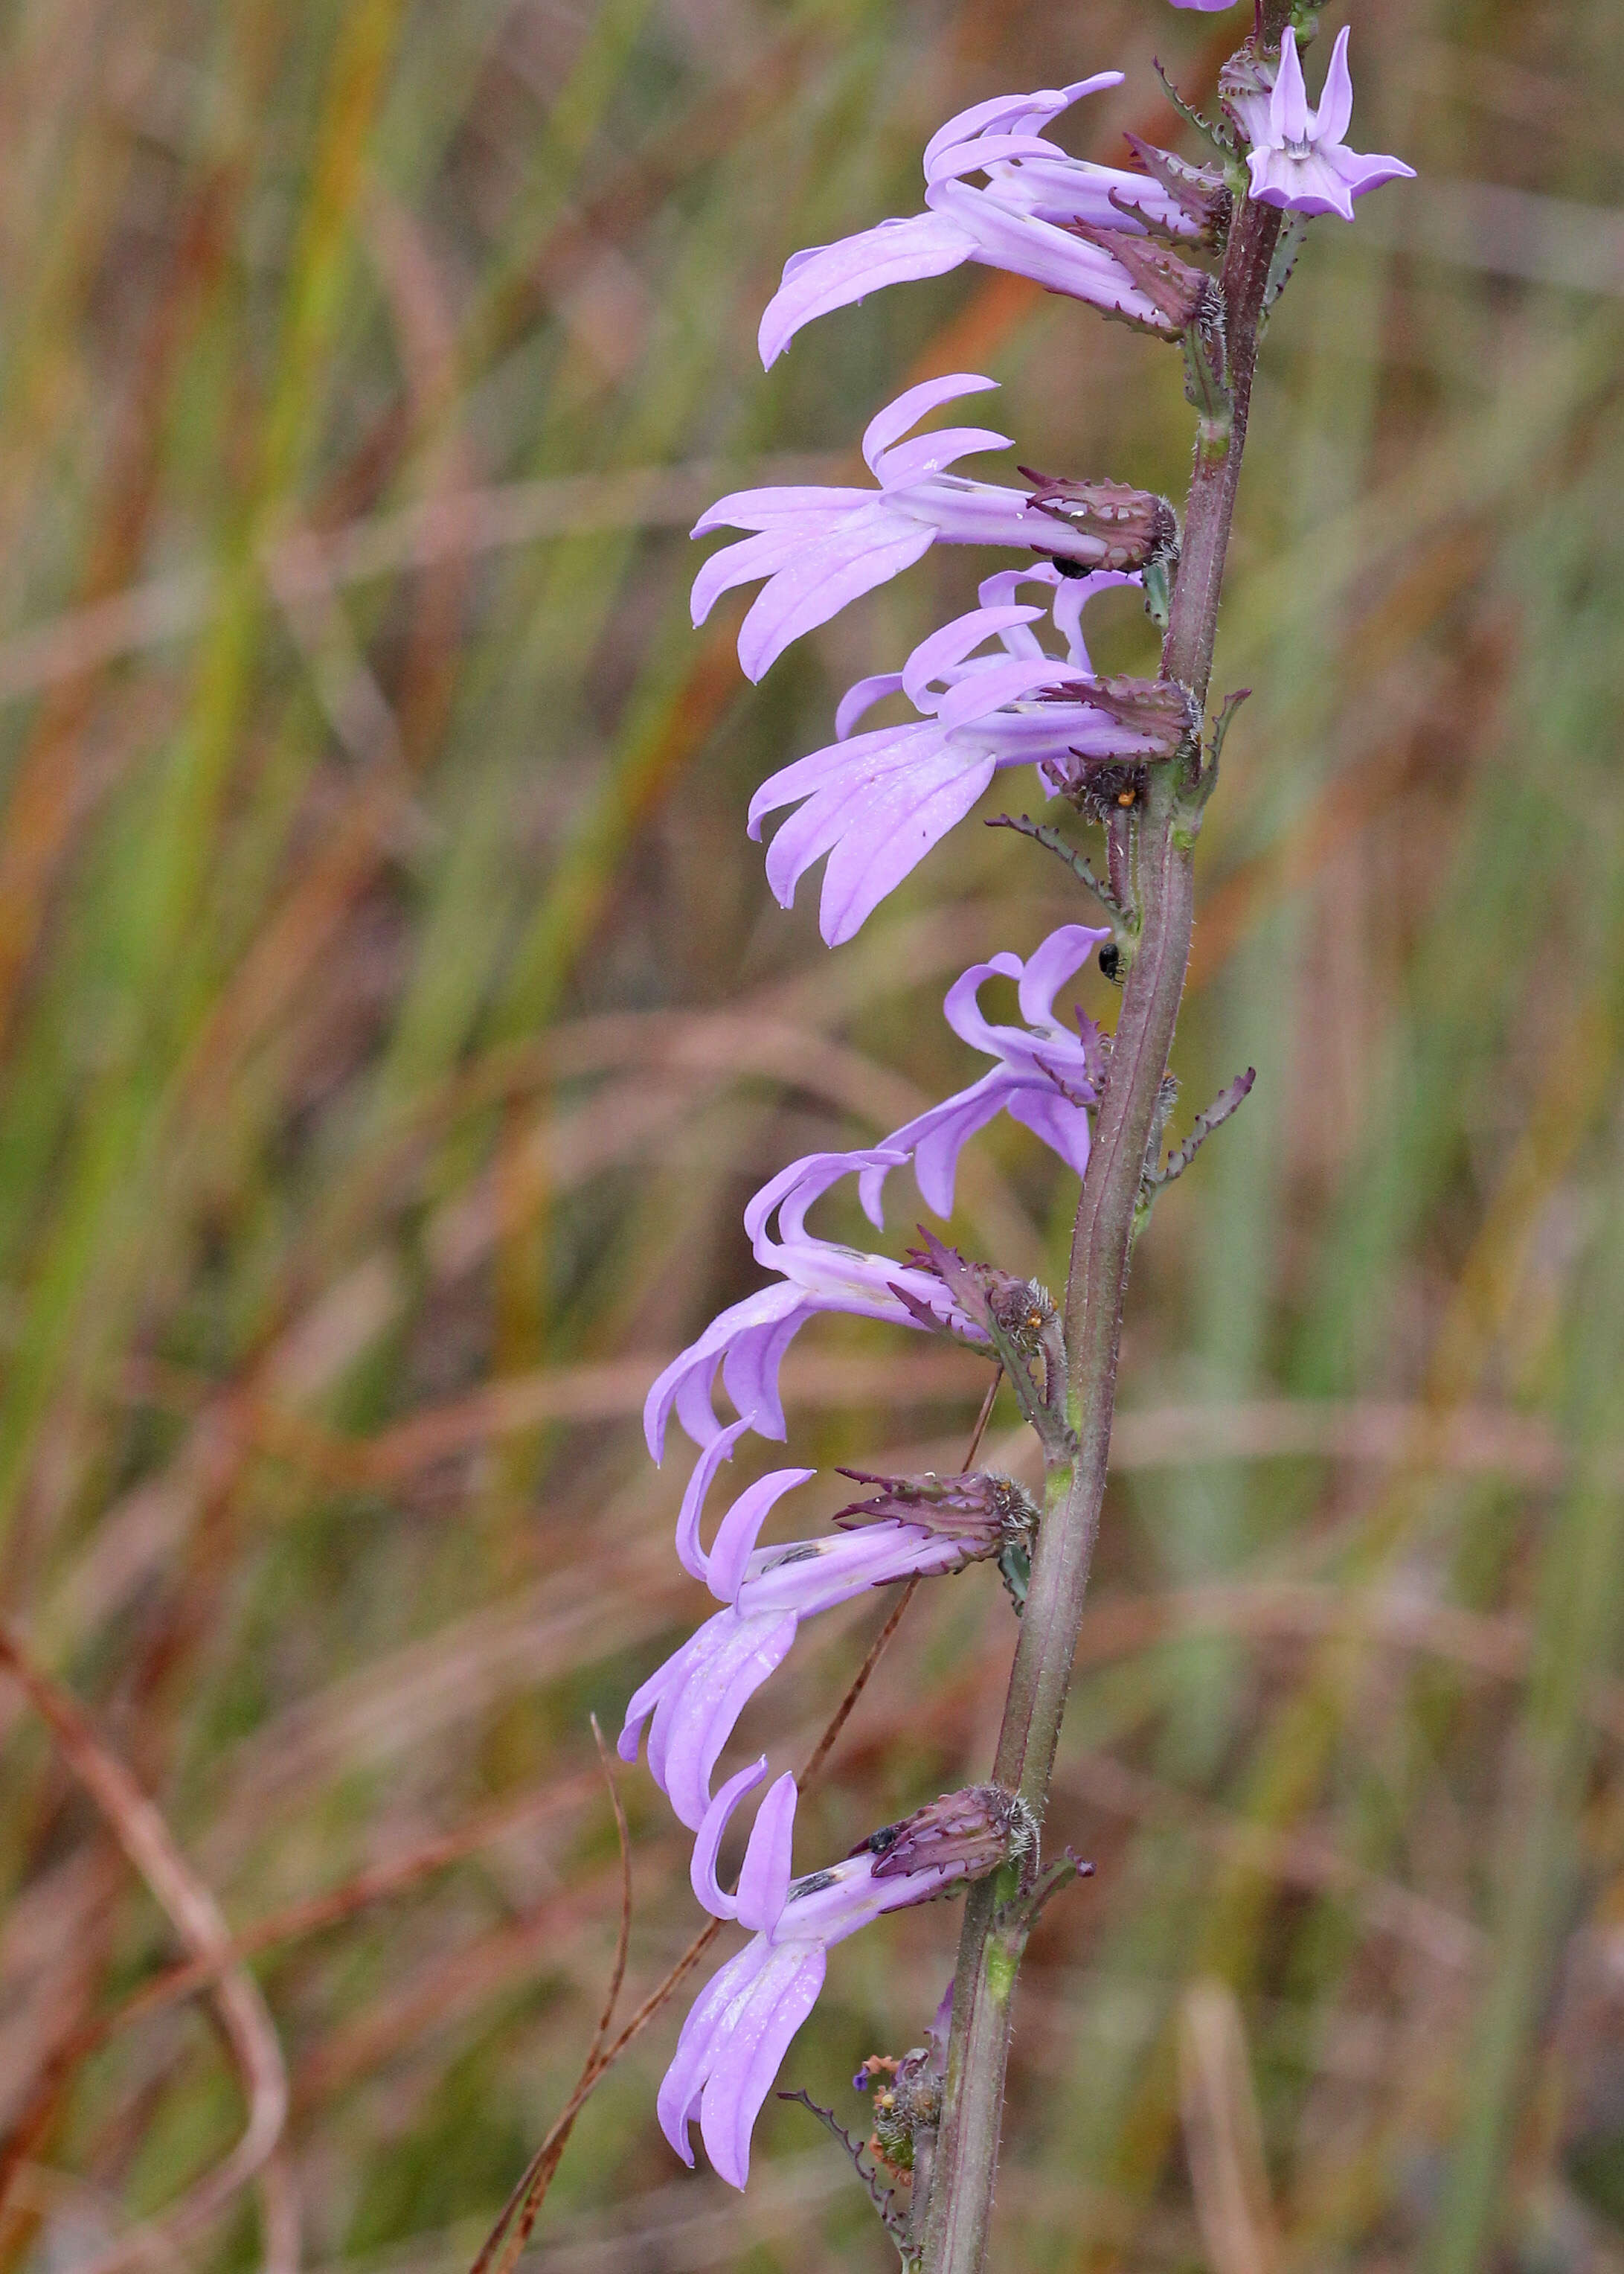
{"x": 523, "y": 2207}
{"x": 146, "y": 1838}
{"x": 311, "y": 1916}
{"x": 617, "y": 1973}
{"x": 1467, "y": 1439}
{"x": 842, "y": 1714}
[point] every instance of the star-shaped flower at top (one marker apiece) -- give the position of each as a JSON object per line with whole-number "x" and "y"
{"x": 1298, "y": 159}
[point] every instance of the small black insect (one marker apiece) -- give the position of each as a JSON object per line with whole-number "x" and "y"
{"x": 1110, "y": 959}
{"x": 814, "y": 1884}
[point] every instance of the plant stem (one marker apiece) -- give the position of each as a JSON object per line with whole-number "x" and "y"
{"x": 995, "y": 1930}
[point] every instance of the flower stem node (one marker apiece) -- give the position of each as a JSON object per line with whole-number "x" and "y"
{"x": 1165, "y": 713}
{"x": 1206, "y": 376}
{"x": 1019, "y": 1320}
{"x": 910, "y": 2103}
{"x": 1164, "y": 719}
{"x": 1104, "y": 794}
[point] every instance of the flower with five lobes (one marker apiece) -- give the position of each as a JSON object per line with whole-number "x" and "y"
{"x": 820, "y": 548}
{"x": 746, "y": 1343}
{"x": 740, "y": 2027}
{"x": 1045, "y": 1078}
{"x": 1028, "y": 219}
{"x": 877, "y": 802}
{"x": 696, "y": 1699}
{"x": 1298, "y": 159}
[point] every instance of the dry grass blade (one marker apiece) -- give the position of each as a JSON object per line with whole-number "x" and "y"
{"x": 306, "y": 567}
{"x": 982, "y": 1418}
{"x": 617, "y": 1973}
{"x": 859, "y": 1681}
{"x": 1470, "y": 1439}
{"x": 196, "y": 1917}
{"x": 523, "y": 2207}
{"x": 1223, "y": 2134}
{"x": 537, "y": 2174}
{"x": 843, "y": 1712}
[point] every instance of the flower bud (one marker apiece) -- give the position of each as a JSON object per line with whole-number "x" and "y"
{"x": 1023, "y": 1309}
{"x": 968, "y": 1834}
{"x": 1174, "y": 287}
{"x": 1131, "y": 527}
{"x": 1160, "y": 709}
{"x": 985, "y": 1512}
{"x": 1244, "y": 86}
{"x": 1199, "y": 191}
{"x": 907, "y": 2101}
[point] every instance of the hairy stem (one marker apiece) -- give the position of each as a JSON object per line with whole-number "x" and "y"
{"x": 995, "y": 1929}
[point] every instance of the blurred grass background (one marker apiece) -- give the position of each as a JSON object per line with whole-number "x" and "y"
{"x": 393, "y": 1021}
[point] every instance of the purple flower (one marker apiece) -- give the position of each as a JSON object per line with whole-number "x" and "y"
{"x": 1298, "y": 159}
{"x": 877, "y": 802}
{"x": 740, "y": 2027}
{"x": 822, "y": 548}
{"x": 1025, "y": 220}
{"x": 696, "y": 1699}
{"x": 748, "y": 1341}
{"x": 1045, "y": 1078}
